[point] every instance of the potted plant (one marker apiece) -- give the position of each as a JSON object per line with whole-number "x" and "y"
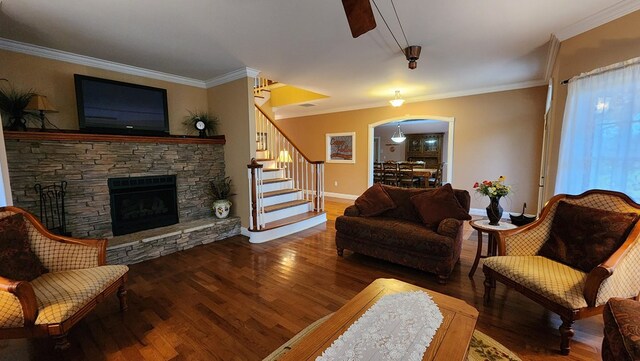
{"x": 13, "y": 102}
{"x": 221, "y": 191}
{"x": 203, "y": 122}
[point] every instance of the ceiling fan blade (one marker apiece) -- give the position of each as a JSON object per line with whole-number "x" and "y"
{"x": 359, "y": 15}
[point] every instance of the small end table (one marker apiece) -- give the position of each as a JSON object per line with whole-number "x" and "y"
{"x": 480, "y": 226}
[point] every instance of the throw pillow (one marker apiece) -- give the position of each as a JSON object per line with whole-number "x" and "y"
{"x": 583, "y": 237}
{"x": 17, "y": 261}
{"x": 449, "y": 227}
{"x": 374, "y": 201}
{"x": 436, "y": 205}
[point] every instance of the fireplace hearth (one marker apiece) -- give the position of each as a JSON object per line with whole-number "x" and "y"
{"x": 139, "y": 203}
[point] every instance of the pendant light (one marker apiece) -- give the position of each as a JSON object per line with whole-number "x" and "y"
{"x": 398, "y": 136}
{"x": 397, "y": 101}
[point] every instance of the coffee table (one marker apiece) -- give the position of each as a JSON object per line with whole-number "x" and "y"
{"x": 450, "y": 343}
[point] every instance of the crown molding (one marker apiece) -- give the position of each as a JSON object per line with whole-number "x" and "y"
{"x": 554, "y": 48}
{"x": 602, "y": 17}
{"x": 44, "y": 52}
{"x": 231, "y": 76}
{"x": 462, "y": 93}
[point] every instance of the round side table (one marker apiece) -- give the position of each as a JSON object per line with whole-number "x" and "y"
{"x": 483, "y": 226}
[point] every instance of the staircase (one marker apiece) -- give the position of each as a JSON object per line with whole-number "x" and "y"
{"x": 287, "y": 188}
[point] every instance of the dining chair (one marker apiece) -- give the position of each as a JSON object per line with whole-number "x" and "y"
{"x": 390, "y": 173}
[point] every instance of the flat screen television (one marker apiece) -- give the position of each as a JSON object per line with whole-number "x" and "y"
{"x": 113, "y": 107}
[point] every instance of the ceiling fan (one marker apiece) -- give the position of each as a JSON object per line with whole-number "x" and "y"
{"x": 360, "y": 16}
{"x": 361, "y": 20}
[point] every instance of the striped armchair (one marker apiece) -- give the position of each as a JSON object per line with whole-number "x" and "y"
{"x": 77, "y": 281}
{"x": 567, "y": 291}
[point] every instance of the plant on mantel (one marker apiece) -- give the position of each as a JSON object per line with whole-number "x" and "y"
{"x": 13, "y": 103}
{"x": 202, "y": 122}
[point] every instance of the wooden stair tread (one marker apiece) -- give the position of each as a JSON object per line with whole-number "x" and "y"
{"x": 265, "y": 159}
{"x": 275, "y": 180}
{"x": 271, "y": 169}
{"x": 290, "y": 220}
{"x": 279, "y": 192}
{"x": 285, "y": 205}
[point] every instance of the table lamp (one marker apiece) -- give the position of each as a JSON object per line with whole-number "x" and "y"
{"x": 41, "y": 103}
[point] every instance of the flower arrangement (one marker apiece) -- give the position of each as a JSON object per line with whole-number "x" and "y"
{"x": 495, "y": 188}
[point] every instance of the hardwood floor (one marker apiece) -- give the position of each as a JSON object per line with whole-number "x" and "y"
{"x": 232, "y": 300}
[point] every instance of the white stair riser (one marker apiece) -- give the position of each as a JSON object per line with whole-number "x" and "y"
{"x": 269, "y": 201}
{"x": 287, "y": 212}
{"x": 262, "y": 154}
{"x": 268, "y": 164}
{"x": 271, "y": 175}
{"x": 277, "y": 186}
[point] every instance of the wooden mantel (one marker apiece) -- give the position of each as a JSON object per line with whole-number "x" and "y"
{"x": 86, "y": 137}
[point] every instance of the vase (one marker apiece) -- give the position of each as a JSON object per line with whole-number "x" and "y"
{"x": 221, "y": 208}
{"x": 494, "y": 211}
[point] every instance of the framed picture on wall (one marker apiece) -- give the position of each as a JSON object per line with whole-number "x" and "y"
{"x": 341, "y": 147}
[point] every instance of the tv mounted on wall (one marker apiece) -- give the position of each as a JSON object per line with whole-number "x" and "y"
{"x": 113, "y": 107}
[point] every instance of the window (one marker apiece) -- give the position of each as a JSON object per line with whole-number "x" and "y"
{"x": 600, "y": 142}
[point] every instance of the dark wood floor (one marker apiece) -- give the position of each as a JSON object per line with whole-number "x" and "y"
{"x": 232, "y": 300}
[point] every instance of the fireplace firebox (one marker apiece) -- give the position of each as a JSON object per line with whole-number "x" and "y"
{"x": 139, "y": 203}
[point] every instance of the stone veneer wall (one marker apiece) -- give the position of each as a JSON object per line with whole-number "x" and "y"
{"x": 86, "y": 166}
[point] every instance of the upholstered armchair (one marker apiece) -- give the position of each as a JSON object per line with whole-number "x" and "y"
{"x": 574, "y": 279}
{"x": 73, "y": 281}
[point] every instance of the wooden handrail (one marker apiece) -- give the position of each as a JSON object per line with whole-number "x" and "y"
{"x": 287, "y": 138}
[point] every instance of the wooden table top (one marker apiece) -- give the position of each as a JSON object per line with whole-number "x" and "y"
{"x": 450, "y": 342}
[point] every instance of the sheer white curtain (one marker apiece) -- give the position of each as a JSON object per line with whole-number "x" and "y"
{"x": 600, "y": 143}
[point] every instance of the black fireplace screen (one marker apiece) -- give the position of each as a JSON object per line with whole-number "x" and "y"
{"x": 139, "y": 203}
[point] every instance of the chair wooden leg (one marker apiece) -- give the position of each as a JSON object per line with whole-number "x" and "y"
{"x": 340, "y": 252}
{"x": 122, "y": 296}
{"x": 566, "y": 333}
{"x": 489, "y": 285}
{"x": 62, "y": 342}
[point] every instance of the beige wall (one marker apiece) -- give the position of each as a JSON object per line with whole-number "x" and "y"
{"x": 54, "y": 79}
{"x": 607, "y": 44}
{"x": 495, "y": 134}
{"x": 233, "y": 103}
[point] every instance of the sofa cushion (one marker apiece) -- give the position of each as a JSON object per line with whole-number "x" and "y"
{"x": 17, "y": 260}
{"x": 584, "y": 237}
{"x": 621, "y": 330}
{"x": 61, "y": 294}
{"x": 437, "y": 205}
{"x": 374, "y": 201}
{"x": 396, "y": 233}
{"x": 550, "y": 279}
{"x": 401, "y": 198}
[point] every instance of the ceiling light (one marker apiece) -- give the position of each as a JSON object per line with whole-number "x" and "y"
{"x": 398, "y": 136}
{"x": 397, "y": 101}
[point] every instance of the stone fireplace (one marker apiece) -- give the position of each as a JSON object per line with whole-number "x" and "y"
{"x": 87, "y": 162}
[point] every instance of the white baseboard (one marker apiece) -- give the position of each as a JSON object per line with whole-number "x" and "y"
{"x": 265, "y": 236}
{"x": 483, "y": 213}
{"x": 341, "y": 195}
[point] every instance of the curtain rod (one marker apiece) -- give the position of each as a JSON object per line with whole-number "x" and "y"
{"x": 616, "y": 66}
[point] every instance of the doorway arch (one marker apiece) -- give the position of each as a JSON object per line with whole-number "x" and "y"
{"x": 370, "y": 131}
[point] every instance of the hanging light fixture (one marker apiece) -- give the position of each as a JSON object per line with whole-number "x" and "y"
{"x": 398, "y": 136}
{"x": 397, "y": 101}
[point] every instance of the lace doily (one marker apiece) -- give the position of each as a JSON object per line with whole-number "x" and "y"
{"x": 397, "y": 327}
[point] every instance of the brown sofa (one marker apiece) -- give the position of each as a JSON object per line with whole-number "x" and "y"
{"x": 401, "y": 235}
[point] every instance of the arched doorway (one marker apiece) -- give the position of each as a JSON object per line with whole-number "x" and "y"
{"x": 448, "y": 149}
